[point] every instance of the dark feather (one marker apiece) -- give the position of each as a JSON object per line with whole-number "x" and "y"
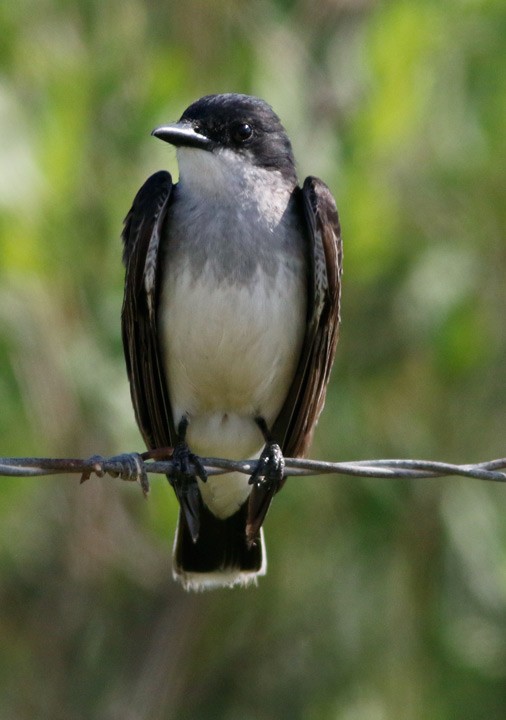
{"x": 222, "y": 545}
{"x": 141, "y": 236}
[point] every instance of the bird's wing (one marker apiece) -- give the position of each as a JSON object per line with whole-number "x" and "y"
{"x": 294, "y": 426}
{"x": 141, "y": 236}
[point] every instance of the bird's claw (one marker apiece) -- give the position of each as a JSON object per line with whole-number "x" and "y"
{"x": 183, "y": 479}
{"x": 182, "y": 462}
{"x": 270, "y": 467}
{"x": 266, "y": 480}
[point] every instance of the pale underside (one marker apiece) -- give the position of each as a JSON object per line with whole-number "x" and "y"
{"x": 231, "y": 356}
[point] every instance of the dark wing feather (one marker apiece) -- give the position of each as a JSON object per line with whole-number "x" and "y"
{"x": 142, "y": 234}
{"x": 295, "y": 425}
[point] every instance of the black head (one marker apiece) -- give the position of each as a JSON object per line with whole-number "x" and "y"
{"x": 242, "y": 124}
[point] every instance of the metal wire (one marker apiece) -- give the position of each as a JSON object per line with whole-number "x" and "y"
{"x": 136, "y": 467}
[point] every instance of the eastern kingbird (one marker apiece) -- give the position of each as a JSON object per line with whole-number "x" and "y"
{"x": 230, "y": 323}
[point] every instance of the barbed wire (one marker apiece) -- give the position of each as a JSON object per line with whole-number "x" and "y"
{"x": 137, "y": 466}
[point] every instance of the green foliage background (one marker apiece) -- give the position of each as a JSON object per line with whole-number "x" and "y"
{"x": 384, "y": 600}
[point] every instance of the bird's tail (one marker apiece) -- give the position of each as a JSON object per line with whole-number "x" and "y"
{"x": 221, "y": 557}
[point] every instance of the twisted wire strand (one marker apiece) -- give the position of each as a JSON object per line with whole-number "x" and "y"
{"x": 118, "y": 466}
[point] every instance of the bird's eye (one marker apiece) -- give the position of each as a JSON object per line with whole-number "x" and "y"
{"x": 242, "y": 132}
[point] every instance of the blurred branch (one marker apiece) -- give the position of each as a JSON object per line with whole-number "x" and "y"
{"x": 135, "y": 467}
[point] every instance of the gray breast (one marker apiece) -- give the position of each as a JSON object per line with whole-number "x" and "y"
{"x": 234, "y": 238}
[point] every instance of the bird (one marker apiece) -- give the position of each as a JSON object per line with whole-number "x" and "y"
{"x": 230, "y": 321}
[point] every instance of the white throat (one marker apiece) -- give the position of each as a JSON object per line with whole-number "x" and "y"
{"x": 231, "y": 178}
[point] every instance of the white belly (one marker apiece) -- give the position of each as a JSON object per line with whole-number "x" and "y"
{"x": 232, "y": 352}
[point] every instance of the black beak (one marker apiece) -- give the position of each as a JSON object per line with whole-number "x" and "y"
{"x": 182, "y": 134}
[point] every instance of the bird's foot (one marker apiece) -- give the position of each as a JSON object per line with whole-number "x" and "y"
{"x": 270, "y": 467}
{"x": 186, "y": 467}
{"x": 127, "y": 466}
{"x": 266, "y": 481}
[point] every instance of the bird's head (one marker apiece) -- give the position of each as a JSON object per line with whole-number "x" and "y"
{"x": 241, "y": 130}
